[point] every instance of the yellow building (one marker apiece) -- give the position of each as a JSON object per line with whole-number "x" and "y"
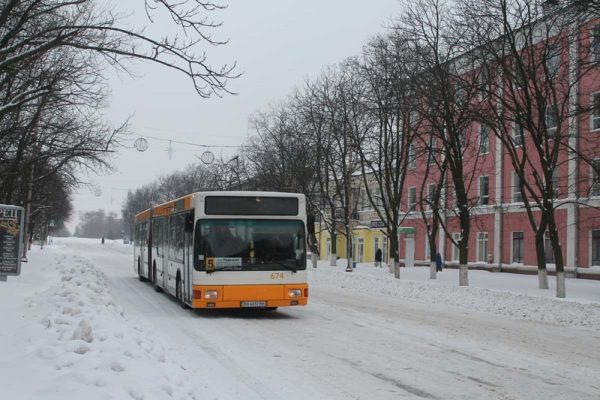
{"x": 365, "y": 241}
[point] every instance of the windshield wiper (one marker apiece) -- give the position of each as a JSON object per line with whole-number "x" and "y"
{"x": 224, "y": 269}
{"x": 286, "y": 266}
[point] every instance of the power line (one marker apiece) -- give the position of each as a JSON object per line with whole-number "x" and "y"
{"x": 189, "y": 143}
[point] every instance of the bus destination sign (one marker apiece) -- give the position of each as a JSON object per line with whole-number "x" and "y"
{"x": 11, "y": 240}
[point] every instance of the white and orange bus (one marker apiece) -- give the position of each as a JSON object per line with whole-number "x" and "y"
{"x": 226, "y": 249}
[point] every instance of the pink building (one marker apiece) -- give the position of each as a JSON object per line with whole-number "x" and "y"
{"x": 501, "y": 234}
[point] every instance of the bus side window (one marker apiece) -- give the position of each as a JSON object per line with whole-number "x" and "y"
{"x": 199, "y": 247}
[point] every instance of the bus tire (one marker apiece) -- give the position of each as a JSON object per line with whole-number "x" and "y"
{"x": 154, "y": 280}
{"x": 140, "y": 277}
{"x": 179, "y": 291}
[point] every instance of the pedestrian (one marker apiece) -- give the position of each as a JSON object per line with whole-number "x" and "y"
{"x": 378, "y": 256}
{"x": 102, "y": 239}
{"x": 438, "y": 262}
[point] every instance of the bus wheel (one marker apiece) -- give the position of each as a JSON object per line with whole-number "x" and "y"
{"x": 154, "y": 280}
{"x": 179, "y": 292}
{"x": 140, "y": 277}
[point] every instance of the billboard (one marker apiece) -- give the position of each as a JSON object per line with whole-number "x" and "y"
{"x": 11, "y": 240}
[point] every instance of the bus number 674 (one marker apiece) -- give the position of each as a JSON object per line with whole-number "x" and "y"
{"x": 277, "y": 275}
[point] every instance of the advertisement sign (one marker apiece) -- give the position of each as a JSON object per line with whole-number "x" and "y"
{"x": 11, "y": 240}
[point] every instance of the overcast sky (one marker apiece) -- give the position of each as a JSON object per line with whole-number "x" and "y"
{"x": 276, "y": 44}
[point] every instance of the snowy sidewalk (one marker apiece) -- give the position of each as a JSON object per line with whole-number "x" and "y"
{"x": 510, "y": 295}
{"x": 63, "y": 336}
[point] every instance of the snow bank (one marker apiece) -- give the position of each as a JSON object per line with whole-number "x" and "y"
{"x": 377, "y": 282}
{"x": 85, "y": 341}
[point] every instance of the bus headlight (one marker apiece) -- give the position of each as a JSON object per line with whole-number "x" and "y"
{"x": 211, "y": 294}
{"x": 295, "y": 293}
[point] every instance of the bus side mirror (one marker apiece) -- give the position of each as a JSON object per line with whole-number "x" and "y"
{"x": 189, "y": 222}
{"x": 310, "y": 224}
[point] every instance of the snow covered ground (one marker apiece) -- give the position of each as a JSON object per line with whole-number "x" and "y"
{"x": 78, "y": 324}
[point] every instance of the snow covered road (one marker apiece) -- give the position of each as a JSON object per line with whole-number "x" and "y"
{"x": 346, "y": 344}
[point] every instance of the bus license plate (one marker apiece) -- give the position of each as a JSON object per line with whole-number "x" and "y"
{"x": 254, "y": 303}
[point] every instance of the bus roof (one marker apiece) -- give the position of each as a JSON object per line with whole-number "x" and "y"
{"x": 185, "y": 202}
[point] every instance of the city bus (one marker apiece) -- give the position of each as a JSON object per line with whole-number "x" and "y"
{"x": 233, "y": 249}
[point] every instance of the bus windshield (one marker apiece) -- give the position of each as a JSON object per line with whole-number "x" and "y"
{"x": 249, "y": 244}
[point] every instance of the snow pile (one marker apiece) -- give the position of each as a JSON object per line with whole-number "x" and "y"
{"x": 87, "y": 342}
{"x": 376, "y": 281}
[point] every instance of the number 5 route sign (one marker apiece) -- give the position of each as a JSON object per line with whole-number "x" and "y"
{"x": 11, "y": 240}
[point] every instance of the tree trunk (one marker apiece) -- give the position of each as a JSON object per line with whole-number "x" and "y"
{"x": 333, "y": 260}
{"x": 349, "y": 266}
{"x": 558, "y": 258}
{"x": 463, "y": 269}
{"x": 396, "y": 269}
{"x": 394, "y": 247}
{"x": 432, "y": 270}
{"x": 561, "y": 291}
{"x": 541, "y": 261}
{"x": 463, "y": 275}
{"x": 314, "y": 259}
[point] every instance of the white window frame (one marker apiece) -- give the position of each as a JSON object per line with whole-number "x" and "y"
{"x": 517, "y": 128}
{"x": 551, "y": 130}
{"x": 553, "y": 59}
{"x": 591, "y": 248}
{"x": 595, "y": 43}
{"x": 594, "y": 118}
{"x": 515, "y": 188}
{"x": 596, "y": 178}
{"x": 429, "y": 194}
{"x": 484, "y": 83}
{"x": 427, "y": 248}
{"x": 455, "y": 251}
{"x": 412, "y": 157}
{"x": 411, "y": 207}
{"x": 512, "y": 248}
{"x": 482, "y": 128}
{"x": 482, "y": 238}
{"x": 480, "y": 196}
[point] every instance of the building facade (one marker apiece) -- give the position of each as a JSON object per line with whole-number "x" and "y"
{"x": 501, "y": 234}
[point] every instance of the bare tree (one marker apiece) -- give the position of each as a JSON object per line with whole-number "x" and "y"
{"x": 532, "y": 53}
{"x": 383, "y": 130}
{"x": 446, "y": 89}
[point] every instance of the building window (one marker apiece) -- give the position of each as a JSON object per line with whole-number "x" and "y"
{"x": 432, "y": 151}
{"x": 413, "y": 117}
{"x": 595, "y": 178}
{"x": 518, "y": 131}
{"x": 519, "y": 78}
{"x": 518, "y": 247}
{"x": 431, "y": 195}
{"x": 484, "y": 139}
{"x": 555, "y": 182}
{"x": 596, "y": 247}
{"x": 360, "y": 250}
{"x": 517, "y": 196}
{"x": 552, "y": 121}
{"x": 595, "y": 43}
{"x": 595, "y": 112}
{"x": 484, "y": 83}
{"x": 484, "y": 190}
{"x": 412, "y": 199}
{"x": 548, "y": 250}
{"x": 482, "y": 246}
{"x": 412, "y": 157}
{"x": 553, "y": 59}
{"x": 455, "y": 252}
